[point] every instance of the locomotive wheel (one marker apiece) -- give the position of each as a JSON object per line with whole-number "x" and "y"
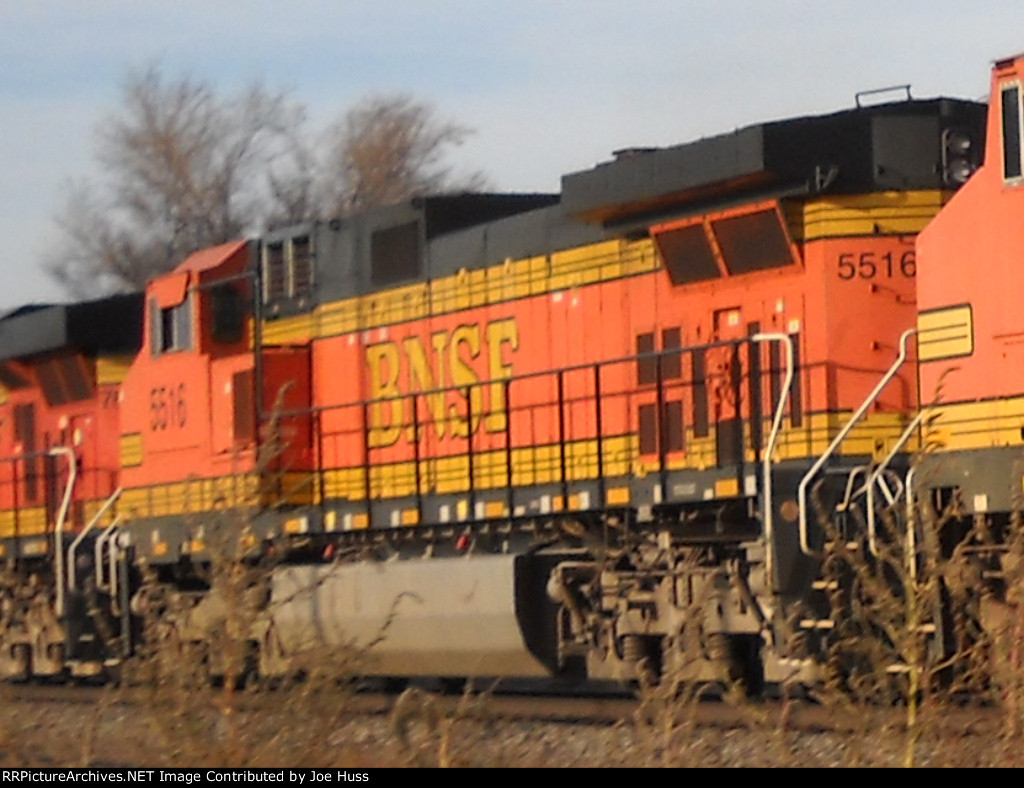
{"x": 21, "y": 656}
{"x": 740, "y": 659}
{"x": 643, "y": 654}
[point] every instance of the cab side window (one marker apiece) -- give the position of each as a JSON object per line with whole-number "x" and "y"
{"x": 170, "y": 327}
{"x": 228, "y": 308}
{"x": 1011, "y": 126}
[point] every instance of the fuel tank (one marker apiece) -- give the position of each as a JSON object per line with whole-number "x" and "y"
{"x": 474, "y": 615}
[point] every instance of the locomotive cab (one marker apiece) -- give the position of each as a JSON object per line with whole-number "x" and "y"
{"x": 970, "y": 322}
{"x": 192, "y": 404}
{"x": 972, "y": 363}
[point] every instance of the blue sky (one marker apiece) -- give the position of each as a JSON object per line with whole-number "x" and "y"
{"x": 548, "y": 86}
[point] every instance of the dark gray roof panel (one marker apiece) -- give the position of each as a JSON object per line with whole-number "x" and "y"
{"x": 110, "y": 325}
{"x": 889, "y": 146}
{"x": 452, "y": 212}
{"x": 516, "y": 237}
{"x": 29, "y": 333}
{"x": 647, "y": 175}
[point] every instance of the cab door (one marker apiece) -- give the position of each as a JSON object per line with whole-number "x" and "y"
{"x": 725, "y": 385}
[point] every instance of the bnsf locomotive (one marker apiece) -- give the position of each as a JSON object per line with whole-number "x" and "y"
{"x": 585, "y": 434}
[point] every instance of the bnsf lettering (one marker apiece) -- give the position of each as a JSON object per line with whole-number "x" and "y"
{"x": 453, "y": 360}
{"x": 167, "y": 407}
{"x": 868, "y": 265}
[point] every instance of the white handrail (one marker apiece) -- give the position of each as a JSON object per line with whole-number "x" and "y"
{"x": 766, "y": 464}
{"x": 911, "y": 526}
{"x": 109, "y": 586}
{"x": 78, "y": 540}
{"x": 112, "y": 557}
{"x": 802, "y": 489}
{"x": 848, "y": 493}
{"x": 101, "y": 542}
{"x": 876, "y": 475}
{"x": 58, "y": 534}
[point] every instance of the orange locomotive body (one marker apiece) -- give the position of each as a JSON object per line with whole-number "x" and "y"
{"x": 61, "y": 371}
{"x": 668, "y": 355}
{"x": 575, "y": 430}
{"x": 970, "y": 327}
{"x": 188, "y": 435}
{"x": 528, "y": 386}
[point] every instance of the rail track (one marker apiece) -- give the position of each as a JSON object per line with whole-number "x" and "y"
{"x": 604, "y": 707}
{"x": 147, "y": 727}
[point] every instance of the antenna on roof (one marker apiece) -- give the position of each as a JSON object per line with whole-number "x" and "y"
{"x": 876, "y": 91}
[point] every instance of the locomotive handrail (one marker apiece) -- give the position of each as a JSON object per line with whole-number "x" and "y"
{"x": 558, "y": 373}
{"x": 841, "y": 436}
{"x": 58, "y": 533}
{"x": 109, "y": 585}
{"x": 113, "y": 553}
{"x": 101, "y": 541}
{"x": 462, "y": 387}
{"x": 89, "y": 526}
{"x": 848, "y": 493}
{"x": 911, "y": 525}
{"x": 32, "y": 455}
{"x": 883, "y": 485}
{"x": 875, "y": 476}
{"x": 766, "y": 464}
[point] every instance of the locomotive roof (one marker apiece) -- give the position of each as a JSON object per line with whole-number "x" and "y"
{"x": 441, "y": 213}
{"x": 206, "y": 259}
{"x": 1003, "y": 62}
{"x": 112, "y": 324}
{"x": 884, "y": 146}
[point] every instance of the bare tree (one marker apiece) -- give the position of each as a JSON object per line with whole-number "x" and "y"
{"x": 181, "y": 169}
{"x": 390, "y": 148}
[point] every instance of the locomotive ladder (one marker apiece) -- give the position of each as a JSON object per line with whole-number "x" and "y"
{"x": 891, "y": 499}
{"x": 766, "y": 464}
{"x": 58, "y": 532}
{"x": 98, "y": 567}
{"x": 901, "y": 358}
{"x": 71, "y": 578}
{"x": 880, "y": 476}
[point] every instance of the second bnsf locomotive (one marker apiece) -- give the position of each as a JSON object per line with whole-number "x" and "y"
{"x": 493, "y": 435}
